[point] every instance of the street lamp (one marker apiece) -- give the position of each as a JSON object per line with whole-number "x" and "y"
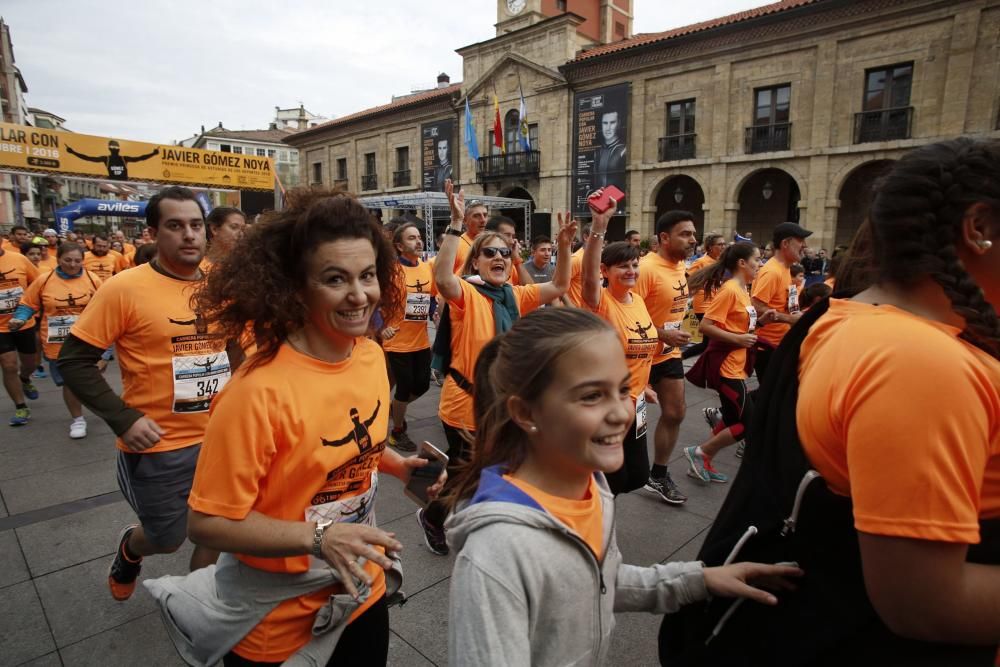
{"x": 767, "y": 190}
{"x": 679, "y": 194}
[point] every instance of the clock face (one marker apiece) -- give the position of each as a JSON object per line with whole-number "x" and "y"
{"x": 515, "y": 6}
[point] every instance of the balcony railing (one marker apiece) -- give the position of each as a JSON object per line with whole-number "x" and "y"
{"x": 768, "y": 138}
{"x": 492, "y": 167}
{"x": 401, "y": 178}
{"x": 677, "y": 147}
{"x": 883, "y": 125}
{"x": 369, "y": 181}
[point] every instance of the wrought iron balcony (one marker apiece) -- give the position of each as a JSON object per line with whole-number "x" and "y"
{"x": 401, "y": 178}
{"x": 677, "y": 147}
{"x": 768, "y": 138}
{"x": 494, "y": 167}
{"x": 369, "y": 181}
{"x": 883, "y": 125}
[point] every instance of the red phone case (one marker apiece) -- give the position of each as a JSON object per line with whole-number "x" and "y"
{"x": 603, "y": 202}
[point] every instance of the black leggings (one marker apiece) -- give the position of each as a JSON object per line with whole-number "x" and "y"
{"x": 365, "y": 642}
{"x": 737, "y": 407}
{"x": 634, "y": 473}
{"x": 459, "y": 453}
{"x": 697, "y": 348}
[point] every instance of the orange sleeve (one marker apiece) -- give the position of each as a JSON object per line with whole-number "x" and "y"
{"x": 528, "y": 297}
{"x": 766, "y": 287}
{"x": 105, "y": 318}
{"x": 722, "y": 303}
{"x": 236, "y": 453}
{"x": 917, "y": 439}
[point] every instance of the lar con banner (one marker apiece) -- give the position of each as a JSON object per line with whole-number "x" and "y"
{"x": 37, "y": 150}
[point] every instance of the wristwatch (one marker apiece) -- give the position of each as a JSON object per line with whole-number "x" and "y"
{"x": 321, "y": 527}
{"x": 453, "y": 232}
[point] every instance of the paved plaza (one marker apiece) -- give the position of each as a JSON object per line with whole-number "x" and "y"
{"x": 61, "y": 512}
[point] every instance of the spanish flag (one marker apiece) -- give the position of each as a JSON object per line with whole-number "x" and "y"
{"x": 498, "y": 127}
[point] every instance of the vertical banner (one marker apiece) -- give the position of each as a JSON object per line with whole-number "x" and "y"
{"x": 437, "y": 154}
{"x": 600, "y": 132}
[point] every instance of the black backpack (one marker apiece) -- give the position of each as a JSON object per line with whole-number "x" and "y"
{"x": 794, "y": 517}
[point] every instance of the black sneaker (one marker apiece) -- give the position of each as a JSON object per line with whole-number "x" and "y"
{"x": 433, "y": 536}
{"x": 402, "y": 442}
{"x": 123, "y": 572}
{"x": 741, "y": 449}
{"x": 667, "y": 489}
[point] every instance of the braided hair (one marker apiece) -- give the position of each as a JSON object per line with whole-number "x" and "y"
{"x": 916, "y": 222}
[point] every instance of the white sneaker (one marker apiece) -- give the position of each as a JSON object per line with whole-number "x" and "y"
{"x": 78, "y": 429}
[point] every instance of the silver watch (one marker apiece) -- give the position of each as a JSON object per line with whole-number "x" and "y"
{"x": 321, "y": 527}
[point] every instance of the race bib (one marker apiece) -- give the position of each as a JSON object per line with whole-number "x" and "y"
{"x": 358, "y": 509}
{"x": 752, "y": 312}
{"x": 10, "y": 296}
{"x": 198, "y": 378}
{"x": 793, "y": 299}
{"x": 418, "y": 307}
{"x": 640, "y": 416}
{"x": 59, "y": 326}
{"x": 671, "y": 326}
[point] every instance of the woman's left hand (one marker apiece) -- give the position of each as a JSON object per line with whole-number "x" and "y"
{"x": 650, "y": 395}
{"x": 410, "y": 463}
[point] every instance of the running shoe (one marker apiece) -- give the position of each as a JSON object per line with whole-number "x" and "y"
{"x": 741, "y": 449}
{"x": 21, "y": 417}
{"x": 78, "y": 429}
{"x": 123, "y": 572}
{"x": 667, "y": 489}
{"x": 40, "y": 373}
{"x": 713, "y": 474}
{"x": 29, "y": 389}
{"x": 402, "y": 442}
{"x": 433, "y": 536}
{"x": 713, "y": 416}
{"x": 697, "y": 464}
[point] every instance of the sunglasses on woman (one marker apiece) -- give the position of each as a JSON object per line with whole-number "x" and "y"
{"x": 492, "y": 252}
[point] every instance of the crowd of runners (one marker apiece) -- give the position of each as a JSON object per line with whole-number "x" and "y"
{"x": 267, "y": 371}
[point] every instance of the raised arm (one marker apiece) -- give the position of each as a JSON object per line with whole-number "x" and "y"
{"x": 88, "y": 158}
{"x": 447, "y": 282}
{"x": 140, "y": 158}
{"x": 591, "y": 275}
{"x": 551, "y": 291}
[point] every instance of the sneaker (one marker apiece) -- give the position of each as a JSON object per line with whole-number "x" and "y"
{"x": 697, "y": 464}
{"x": 39, "y": 373}
{"x": 667, "y": 489}
{"x": 402, "y": 442}
{"x": 21, "y": 417}
{"x": 123, "y": 572}
{"x": 741, "y": 449}
{"x": 437, "y": 377}
{"x": 713, "y": 416}
{"x": 29, "y": 389}
{"x": 78, "y": 429}
{"x": 433, "y": 536}
{"x": 713, "y": 474}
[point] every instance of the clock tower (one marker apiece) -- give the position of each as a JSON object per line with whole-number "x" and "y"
{"x": 604, "y": 20}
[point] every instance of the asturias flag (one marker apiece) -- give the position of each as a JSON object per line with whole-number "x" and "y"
{"x": 470, "y": 133}
{"x": 498, "y": 127}
{"x": 522, "y": 129}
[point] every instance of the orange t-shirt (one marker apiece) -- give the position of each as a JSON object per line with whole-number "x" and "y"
{"x": 464, "y": 246}
{"x": 172, "y": 364}
{"x": 472, "y": 326}
{"x": 297, "y": 439}
{"x": 732, "y": 310}
{"x": 16, "y": 273}
{"x": 883, "y": 390}
{"x": 61, "y": 302}
{"x": 8, "y": 246}
{"x": 637, "y": 331}
{"x": 48, "y": 263}
{"x": 417, "y": 283}
{"x": 103, "y": 267}
{"x": 771, "y": 287}
{"x": 663, "y": 288}
{"x": 699, "y": 302}
{"x": 575, "y": 291}
{"x": 584, "y": 517}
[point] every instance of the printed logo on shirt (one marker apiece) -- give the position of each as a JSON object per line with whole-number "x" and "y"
{"x": 419, "y": 286}
{"x": 73, "y": 301}
{"x": 359, "y": 432}
{"x": 642, "y": 345}
{"x": 680, "y": 298}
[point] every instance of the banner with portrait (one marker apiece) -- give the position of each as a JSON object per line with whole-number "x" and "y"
{"x": 600, "y": 137}
{"x": 437, "y": 154}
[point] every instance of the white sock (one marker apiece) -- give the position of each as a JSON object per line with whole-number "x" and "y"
{"x": 79, "y": 419}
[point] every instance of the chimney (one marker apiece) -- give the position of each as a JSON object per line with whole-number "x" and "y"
{"x": 272, "y": 126}
{"x": 443, "y": 80}
{"x": 220, "y": 125}
{"x": 303, "y": 122}
{"x": 203, "y": 129}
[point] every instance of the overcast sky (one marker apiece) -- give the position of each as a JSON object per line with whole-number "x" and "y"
{"x": 156, "y": 71}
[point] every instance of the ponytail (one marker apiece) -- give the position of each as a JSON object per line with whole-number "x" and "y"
{"x": 711, "y": 277}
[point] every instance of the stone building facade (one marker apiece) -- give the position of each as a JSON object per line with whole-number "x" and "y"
{"x": 785, "y": 112}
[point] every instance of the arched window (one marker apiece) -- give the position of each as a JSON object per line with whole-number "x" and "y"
{"x": 511, "y": 131}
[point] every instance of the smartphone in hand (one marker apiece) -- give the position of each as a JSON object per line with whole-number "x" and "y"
{"x": 602, "y": 202}
{"x": 422, "y": 479}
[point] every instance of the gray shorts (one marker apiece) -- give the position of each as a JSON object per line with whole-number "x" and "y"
{"x": 157, "y": 486}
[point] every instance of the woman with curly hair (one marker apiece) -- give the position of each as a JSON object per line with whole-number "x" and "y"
{"x": 288, "y": 472}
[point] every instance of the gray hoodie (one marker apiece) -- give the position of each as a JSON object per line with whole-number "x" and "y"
{"x": 528, "y": 590}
